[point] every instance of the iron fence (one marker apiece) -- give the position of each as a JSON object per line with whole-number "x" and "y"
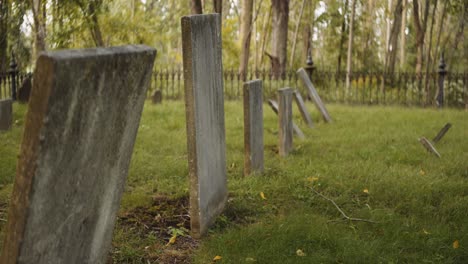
{"x": 401, "y": 88}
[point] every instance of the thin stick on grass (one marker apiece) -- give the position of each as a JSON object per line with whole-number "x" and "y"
{"x": 341, "y": 211}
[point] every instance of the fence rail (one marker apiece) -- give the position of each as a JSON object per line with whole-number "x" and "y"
{"x": 402, "y": 88}
{"x": 368, "y": 88}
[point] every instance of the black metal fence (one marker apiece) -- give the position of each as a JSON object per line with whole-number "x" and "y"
{"x": 402, "y": 88}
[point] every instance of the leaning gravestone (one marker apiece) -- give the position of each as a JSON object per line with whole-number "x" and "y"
{"x": 204, "y": 101}
{"x": 79, "y": 133}
{"x": 285, "y": 121}
{"x": 314, "y": 95}
{"x": 253, "y": 127}
{"x": 274, "y": 106}
{"x": 6, "y": 114}
{"x": 302, "y": 109}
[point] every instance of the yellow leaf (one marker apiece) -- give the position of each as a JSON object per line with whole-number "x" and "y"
{"x": 172, "y": 240}
{"x": 312, "y": 179}
{"x": 422, "y": 172}
{"x": 425, "y": 232}
{"x": 262, "y": 195}
{"x": 365, "y": 191}
{"x": 217, "y": 258}
{"x": 456, "y": 244}
{"x": 300, "y": 253}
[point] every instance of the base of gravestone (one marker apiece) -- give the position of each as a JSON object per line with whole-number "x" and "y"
{"x": 156, "y": 97}
{"x": 6, "y": 114}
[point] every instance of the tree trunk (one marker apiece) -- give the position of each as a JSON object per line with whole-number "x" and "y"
{"x": 393, "y": 40}
{"x": 439, "y": 33}
{"x": 39, "y": 27}
{"x": 403, "y": 35}
{"x": 265, "y": 30}
{"x": 428, "y": 56}
{"x": 293, "y": 50}
{"x": 343, "y": 36}
{"x": 218, "y": 6}
{"x": 197, "y": 7}
{"x": 95, "y": 28}
{"x": 3, "y": 35}
{"x": 420, "y": 27}
{"x": 350, "y": 48}
{"x": 245, "y": 35}
{"x": 279, "y": 36}
{"x": 370, "y": 21}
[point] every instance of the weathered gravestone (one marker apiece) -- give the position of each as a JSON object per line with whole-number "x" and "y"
{"x": 156, "y": 97}
{"x": 442, "y": 132}
{"x": 302, "y": 109}
{"x": 204, "y": 101}
{"x": 274, "y": 106}
{"x": 6, "y": 114}
{"x": 314, "y": 95}
{"x": 285, "y": 121}
{"x": 78, "y": 140}
{"x": 429, "y": 147}
{"x": 253, "y": 127}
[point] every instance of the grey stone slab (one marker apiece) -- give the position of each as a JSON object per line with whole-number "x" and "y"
{"x": 314, "y": 95}
{"x": 285, "y": 121}
{"x": 274, "y": 106}
{"x": 253, "y": 127}
{"x": 429, "y": 147}
{"x": 204, "y": 101}
{"x": 302, "y": 109}
{"x": 6, "y": 114}
{"x": 442, "y": 132}
{"x": 80, "y": 129}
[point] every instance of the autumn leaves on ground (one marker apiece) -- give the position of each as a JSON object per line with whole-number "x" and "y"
{"x": 368, "y": 162}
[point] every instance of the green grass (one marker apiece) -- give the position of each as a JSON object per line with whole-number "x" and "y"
{"x": 419, "y": 201}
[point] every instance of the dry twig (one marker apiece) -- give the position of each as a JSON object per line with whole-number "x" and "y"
{"x": 341, "y": 211}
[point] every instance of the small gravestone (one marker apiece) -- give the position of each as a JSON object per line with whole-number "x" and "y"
{"x": 429, "y": 147}
{"x": 285, "y": 121}
{"x": 156, "y": 97}
{"x": 274, "y": 106}
{"x": 253, "y": 127}
{"x": 78, "y": 139}
{"x": 302, "y": 109}
{"x": 442, "y": 132}
{"x": 314, "y": 95}
{"x": 25, "y": 89}
{"x": 204, "y": 101}
{"x": 6, "y": 114}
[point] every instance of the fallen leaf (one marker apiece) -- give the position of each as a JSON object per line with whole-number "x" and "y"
{"x": 456, "y": 244}
{"x": 250, "y": 260}
{"x": 365, "y": 191}
{"x": 172, "y": 240}
{"x": 300, "y": 253}
{"x": 217, "y": 258}
{"x": 422, "y": 172}
{"x": 312, "y": 179}
{"x": 263, "y": 196}
{"x": 425, "y": 232}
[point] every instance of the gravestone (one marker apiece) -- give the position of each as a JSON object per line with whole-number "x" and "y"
{"x": 442, "y": 132}
{"x": 6, "y": 114}
{"x": 285, "y": 121}
{"x": 274, "y": 106}
{"x": 204, "y": 101}
{"x": 79, "y": 134}
{"x": 314, "y": 95}
{"x": 156, "y": 97}
{"x": 429, "y": 147}
{"x": 253, "y": 127}
{"x": 25, "y": 89}
{"x": 302, "y": 109}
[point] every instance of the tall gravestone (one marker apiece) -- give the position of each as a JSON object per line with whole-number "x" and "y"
{"x": 204, "y": 103}
{"x": 274, "y": 106}
{"x": 302, "y": 109}
{"x": 285, "y": 121}
{"x": 6, "y": 114}
{"x": 253, "y": 127}
{"x": 314, "y": 95}
{"x": 80, "y": 129}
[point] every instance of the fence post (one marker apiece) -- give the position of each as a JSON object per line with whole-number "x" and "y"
{"x": 14, "y": 76}
{"x": 442, "y": 73}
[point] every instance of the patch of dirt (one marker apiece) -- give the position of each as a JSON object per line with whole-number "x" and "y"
{"x": 165, "y": 217}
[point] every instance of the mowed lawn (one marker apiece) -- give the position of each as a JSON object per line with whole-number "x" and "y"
{"x": 368, "y": 161}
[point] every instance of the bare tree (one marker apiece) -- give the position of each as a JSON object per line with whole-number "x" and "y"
{"x": 245, "y": 36}
{"x": 420, "y": 26}
{"x": 343, "y": 34}
{"x": 350, "y": 46}
{"x": 279, "y": 37}
{"x": 197, "y": 7}
{"x": 298, "y": 22}
{"x": 403, "y": 35}
{"x": 393, "y": 40}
